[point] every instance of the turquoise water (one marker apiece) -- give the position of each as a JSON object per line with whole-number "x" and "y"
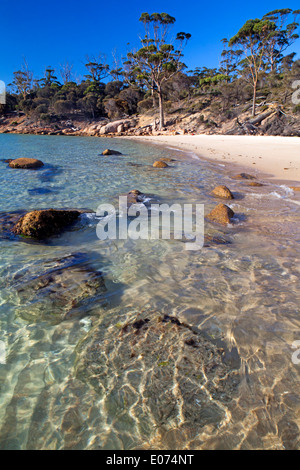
{"x": 243, "y": 295}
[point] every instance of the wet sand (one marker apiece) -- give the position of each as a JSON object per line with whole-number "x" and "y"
{"x": 277, "y": 157}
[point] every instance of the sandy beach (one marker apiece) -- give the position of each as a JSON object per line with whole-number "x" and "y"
{"x": 277, "y": 157}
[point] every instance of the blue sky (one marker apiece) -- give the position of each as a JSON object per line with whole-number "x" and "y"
{"x": 49, "y": 33}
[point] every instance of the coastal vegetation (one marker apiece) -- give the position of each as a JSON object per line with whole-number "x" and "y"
{"x": 251, "y": 90}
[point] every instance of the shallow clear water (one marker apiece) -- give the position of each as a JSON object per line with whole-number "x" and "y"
{"x": 243, "y": 295}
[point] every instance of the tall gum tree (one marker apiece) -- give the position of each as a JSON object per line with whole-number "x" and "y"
{"x": 253, "y": 39}
{"x": 157, "y": 61}
{"x": 283, "y": 36}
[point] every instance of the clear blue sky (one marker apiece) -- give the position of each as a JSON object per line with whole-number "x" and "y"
{"x": 51, "y": 32}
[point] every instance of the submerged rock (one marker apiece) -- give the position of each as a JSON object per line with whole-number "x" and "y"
{"x": 255, "y": 184}
{"x": 111, "y": 152}
{"x": 165, "y": 379}
{"x": 222, "y": 192}
{"x": 244, "y": 176}
{"x": 26, "y": 163}
{"x": 215, "y": 240}
{"x": 160, "y": 164}
{"x": 42, "y": 224}
{"x": 221, "y": 214}
{"x": 167, "y": 159}
{"x": 7, "y": 222}
{"x": 38, "y": 191}
{"x": 61, "y": 292}
{"x": 136, "y": 197}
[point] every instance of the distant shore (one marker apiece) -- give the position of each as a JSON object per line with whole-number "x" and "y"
{"x": 275, "y": 156}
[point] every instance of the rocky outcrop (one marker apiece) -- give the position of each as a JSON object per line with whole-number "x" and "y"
{"x": 160, "y": 164}
{"x": 41, "y": 224}
{"x": 222, "y": 192}
{"x": 111, "y": 152}
{"x": 221, "y": 214}
{"x": 26, "y": 163}
{"x": 112, "y": 127}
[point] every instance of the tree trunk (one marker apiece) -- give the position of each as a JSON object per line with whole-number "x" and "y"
{"x": 254, "y": 99}
{"x": 153, "y": 96}
{"x": 161, "y": 109}
{"x": 262, "y": 116}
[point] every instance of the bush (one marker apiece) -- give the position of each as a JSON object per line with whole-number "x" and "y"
{"x": 41, "y": 109}
{"x": 145, "y": 105}
{"x": 62, "y": 107}
{"x": 45, "y": 117}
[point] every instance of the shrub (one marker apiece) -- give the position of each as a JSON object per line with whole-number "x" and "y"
{"x": 145, "y": 105}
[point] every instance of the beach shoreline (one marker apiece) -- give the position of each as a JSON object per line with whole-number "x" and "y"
{"x": 275, "y": 158}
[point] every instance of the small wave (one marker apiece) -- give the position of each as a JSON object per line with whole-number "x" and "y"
{"x": 289, "y": 191}
{"x": 275, "y": 194}
{"x": 177, "y": 150}
{"x": 258, "y": 195}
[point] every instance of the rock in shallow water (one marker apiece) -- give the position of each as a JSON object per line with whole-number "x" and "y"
{"x": 160, "y": 164}
{"x": 38, "y": 191}
{"x": 111, "y": 152}
{"x": 244, "y": 176}
{"x": 45, "y": 223}
{"x": 60, "y": 292}
{"x": 26, "y": 163}
{"x": 221, "y": 214}
{"x": 161, "y": 377}
{"x": 222, "y": 192}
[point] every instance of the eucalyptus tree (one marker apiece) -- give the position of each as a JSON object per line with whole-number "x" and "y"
{"x": 22, "y": 81}
{"x": 157, "y": 61}
{"x": 283, "y": 36}
{"x": 251, "y": 42}
{"x": 66, "y": 72}
{"x": 230, "y": 59}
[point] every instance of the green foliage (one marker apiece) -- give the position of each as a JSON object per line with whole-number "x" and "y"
{"x": 145, "y": 105}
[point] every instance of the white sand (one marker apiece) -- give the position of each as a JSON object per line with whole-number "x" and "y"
{"x": 277, "y": 157}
